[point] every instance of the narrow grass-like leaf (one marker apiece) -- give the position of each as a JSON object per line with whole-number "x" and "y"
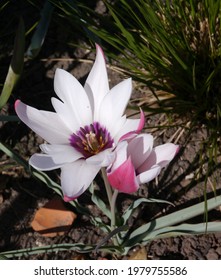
{"x": 173, "y": 219}
{"x": 127, "y": 213}
{"x": 4, "y": 5}
{"x": 186, "y": 229}
{"x": 110, "y": 235}
{"x": 16, "y": 66}
{"x": 36, "y": 173}
{"x": 173, "y": 231}
{"x": 98, "y": 223}
{"x": 99, "y": 202}
{"x": 78, "y": 247}
{"x": 41, "y": 176}
{"x": 41, "y": 30}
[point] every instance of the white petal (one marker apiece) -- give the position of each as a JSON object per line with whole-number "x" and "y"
{"x": 160, "y": 155}
{"x": 149, "y": 175}
{"x": 61, "y": 154}
{"x": 71, "y": 92}
{"x": 43, "y": 162}
{"x": 115, "y": 129}
{"x": 128, "y": 126}
{"x": 76, "y": 177}
{"x": 66, "y": 114}
{"x": 102, "y": 159}
{"x": 46, "y": 124}
{"x": 97, "y": 85}
{"x": 165, "y": 153}
{"x": 114, "y": 103}
{"x": 121, "y": 155}
{"x": 139, "y": 148}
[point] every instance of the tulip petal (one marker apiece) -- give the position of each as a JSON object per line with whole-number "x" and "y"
{"x": 103, "y": 159}
{"x": 149, "y": 175}
{"x": 76, "y": 178}
{"x": 126, "y": 130}
{"x": 124, "y": 178}
{"x": 160, "y": 155}
{"x": 116, "y": 129}
{"x": 165, "y": 153}
{"x": 97, "y": 85}
{"x": 114, "y": 103}
{"x": 120, "y": 155}
{"x": 75, "y": 99}
{"x": 61, "y": 154}
{"x": 43, "y": 162}
{"x": 66, "y": 114}
{"x": 130, "y": 128}
{"x": 141, "y": 122}
{"x": 139, "y": 148}
{"x": 46, "y": 124}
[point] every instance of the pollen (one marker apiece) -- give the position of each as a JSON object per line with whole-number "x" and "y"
{"x": 91, "y": 140}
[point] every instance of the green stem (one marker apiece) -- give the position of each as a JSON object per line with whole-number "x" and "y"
{"x": 107, "y": 185}
{"x": 112, "y": 196}
{"x": 113, "y": 209}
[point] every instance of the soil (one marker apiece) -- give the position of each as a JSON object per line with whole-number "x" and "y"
{"x": 21, "y": 195}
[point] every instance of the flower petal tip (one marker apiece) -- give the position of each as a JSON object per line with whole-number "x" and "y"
{"x": 59, "y": 71}
{"x": 17, "y": 102}
{"x": 132, "y": 134}
{"x": 99, "y": 50}
{"x": 142, "y": 121}
{"x": 177, "y": 149}
{"x": 68, "y": 198}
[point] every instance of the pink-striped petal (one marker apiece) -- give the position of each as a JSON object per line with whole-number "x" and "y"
{"x": 132, "y": 127}
{"x": 165, "y": 153}
{"x": 149, "y": 175}
{"x": 139, "y": 148}
{"x": 120, "y": 155}
{"x": 160, "y": 155}
{"x": 124, "y": 178}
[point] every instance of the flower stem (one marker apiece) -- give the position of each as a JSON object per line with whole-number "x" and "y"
{"x": 113, "y": 209}
{"x": 107, "y": 185}
{"x": 112, "y": 196}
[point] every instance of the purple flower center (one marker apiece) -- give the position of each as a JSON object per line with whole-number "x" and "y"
{"x": 91, "y": 139}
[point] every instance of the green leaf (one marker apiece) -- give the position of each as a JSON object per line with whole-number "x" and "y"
{"x": 41, "y": 31}
{"x": 41, "y": 176}
{"x": 136, "y": 203}
{"x": 4, "y": 5}
{"x": 99, "y": 202}
{"x": 184, "y": 229}
{"x": 79, "y": 247}
{"x": 171, "y": 219}
{"x": 110, "y": 235}
{"x": 173, "y": 231}
{"x": 97, "y": 222}
{"x": 36, "y": 173}
{"x": 16, "y": 66}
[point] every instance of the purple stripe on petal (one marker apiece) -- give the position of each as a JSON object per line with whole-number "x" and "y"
{"x": 91, "y": 140}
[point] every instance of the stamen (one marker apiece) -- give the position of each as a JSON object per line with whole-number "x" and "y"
{"x": 91, "y": 139}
